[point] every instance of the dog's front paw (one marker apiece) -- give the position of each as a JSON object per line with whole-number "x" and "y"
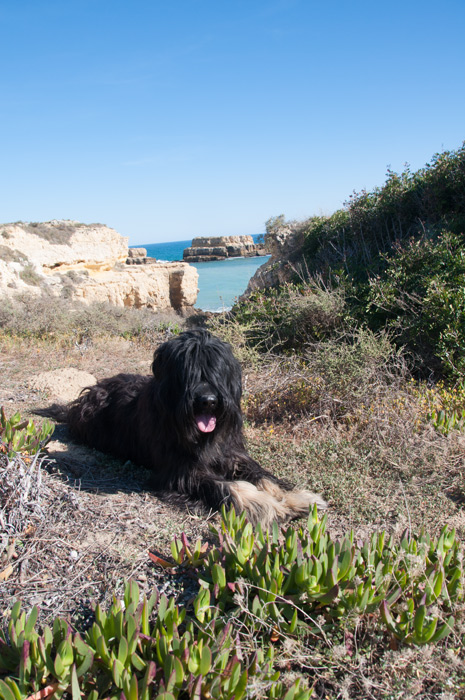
{"x": 299, "y": 502}
{"x": 313, "y": 498}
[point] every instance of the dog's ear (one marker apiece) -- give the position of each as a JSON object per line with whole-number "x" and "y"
{"x": 159, "y": 360}
{"x": 236, "y": 380}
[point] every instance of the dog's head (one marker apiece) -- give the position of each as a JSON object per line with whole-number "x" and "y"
{"x": 198, "y": 382}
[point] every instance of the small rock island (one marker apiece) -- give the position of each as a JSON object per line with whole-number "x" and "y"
{"x": 221, "y": 248}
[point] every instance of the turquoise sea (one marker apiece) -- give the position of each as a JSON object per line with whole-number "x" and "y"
{"x": 220, "y": 283}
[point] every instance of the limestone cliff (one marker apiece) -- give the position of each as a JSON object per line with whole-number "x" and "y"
{"x": 222, "y": 247}
{"x": 88, "y": 262}
{"x": 157, "y": 286}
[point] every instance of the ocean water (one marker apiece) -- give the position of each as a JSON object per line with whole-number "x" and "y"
{"x": 220, "y": 283}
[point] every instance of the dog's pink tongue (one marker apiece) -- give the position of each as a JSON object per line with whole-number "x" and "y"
{"x": 206, "y": 423}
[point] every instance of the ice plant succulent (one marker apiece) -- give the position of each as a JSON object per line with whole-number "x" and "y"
{"x": 22, "y": 436}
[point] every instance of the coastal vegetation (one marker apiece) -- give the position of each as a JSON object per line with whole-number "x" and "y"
{"x": 354, "y": 385}
{"x": 396, "y": 256}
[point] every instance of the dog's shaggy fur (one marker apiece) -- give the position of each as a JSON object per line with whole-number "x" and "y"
{"x": 184, "y": 423}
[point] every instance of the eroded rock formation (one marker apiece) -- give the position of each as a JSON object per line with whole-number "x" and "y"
{"x": 284, "y": 240}
{"x": 90, "y": 263}
{"x": 222, "y": 247}
{"x": 137, "y": 256}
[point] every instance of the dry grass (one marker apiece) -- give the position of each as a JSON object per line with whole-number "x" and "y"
{"x": 366, "y": 444}
{"x": 84, "y": 529}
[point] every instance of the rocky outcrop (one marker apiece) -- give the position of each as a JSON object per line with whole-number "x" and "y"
{"x": 222, "y": 247}
{"x": 284, "y": 240}
{"x": 157, "y": 286}
{"x": 88, "y": 263}
{"x": 58, "y": 246}
{"x": 137, "y": 256}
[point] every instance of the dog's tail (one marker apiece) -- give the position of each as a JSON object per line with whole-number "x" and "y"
{"x": 57, "y": 412}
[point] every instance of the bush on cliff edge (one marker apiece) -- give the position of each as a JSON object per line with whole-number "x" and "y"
{"x": 394, "y": 259}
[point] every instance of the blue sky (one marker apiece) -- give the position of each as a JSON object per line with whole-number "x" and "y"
{"x": 168, "y": 119}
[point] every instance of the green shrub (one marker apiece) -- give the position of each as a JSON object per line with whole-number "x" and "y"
{"x": 60, "y": 233}
{"x": 431, "y": 199}
{"x": 290, "y": 317}
{"x": 421, "y": 298}
{"x": 10, "y": 254}
{"x": 396, "y": 257}
{"x": 29, "y": 275}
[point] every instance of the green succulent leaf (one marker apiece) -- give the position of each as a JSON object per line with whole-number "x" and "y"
{"x": 75, "y": 689}
{"x": 6, "y": 692}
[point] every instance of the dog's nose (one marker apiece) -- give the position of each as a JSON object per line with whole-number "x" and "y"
{"x": 208, "y": 402}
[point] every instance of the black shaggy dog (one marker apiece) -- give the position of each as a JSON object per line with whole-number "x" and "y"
{"x": 184, "y": 423}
